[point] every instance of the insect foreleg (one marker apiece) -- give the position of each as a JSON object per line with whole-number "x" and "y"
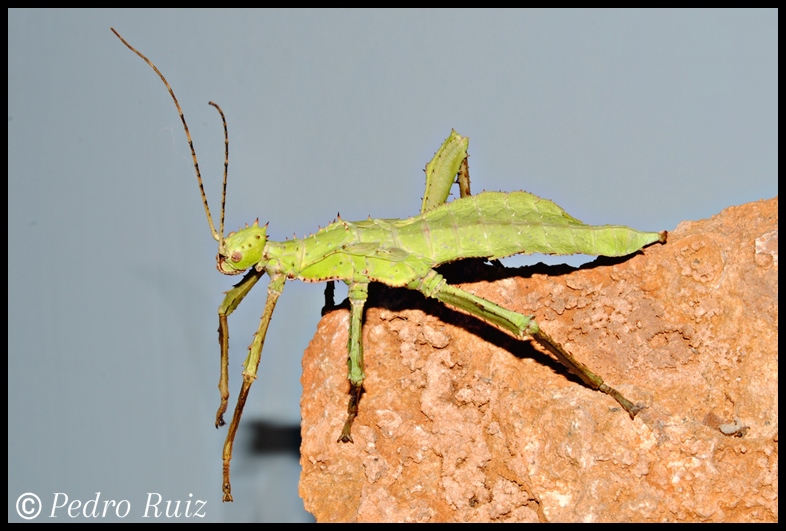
{"x": 251, "y": 364}
{"x": 358, "y": 294}
{"x": 231, "y": 301}
{"x": 522, "y": 326}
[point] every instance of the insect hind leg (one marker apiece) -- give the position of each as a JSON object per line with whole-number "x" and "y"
{"x": 522, "y": 326}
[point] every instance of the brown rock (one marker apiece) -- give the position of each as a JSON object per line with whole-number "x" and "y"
{"x": 461, "y": 422}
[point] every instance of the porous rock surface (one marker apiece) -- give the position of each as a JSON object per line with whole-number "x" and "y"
{"x": 461, "y": 422}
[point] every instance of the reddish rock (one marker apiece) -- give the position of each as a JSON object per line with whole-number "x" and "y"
{"x": 461, "y": 422}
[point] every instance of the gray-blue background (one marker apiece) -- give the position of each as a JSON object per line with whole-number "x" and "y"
{"x": 643, "y": 118}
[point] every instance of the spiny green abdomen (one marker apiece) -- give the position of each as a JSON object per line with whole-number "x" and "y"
{"x": 495, "y": 224}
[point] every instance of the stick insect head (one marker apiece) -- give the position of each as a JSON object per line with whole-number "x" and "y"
{"x": 242, "y": 249}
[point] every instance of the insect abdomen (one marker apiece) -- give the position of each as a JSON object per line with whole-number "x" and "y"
{"x": 496, "y": 224}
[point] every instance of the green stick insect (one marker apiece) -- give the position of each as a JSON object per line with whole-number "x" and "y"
{"x": 403, "y": 253}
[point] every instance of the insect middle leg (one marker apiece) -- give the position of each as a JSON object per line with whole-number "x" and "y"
{"x": 358, "y": 294}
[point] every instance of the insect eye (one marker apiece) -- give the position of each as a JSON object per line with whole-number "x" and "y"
{"x": 236, "y": 257}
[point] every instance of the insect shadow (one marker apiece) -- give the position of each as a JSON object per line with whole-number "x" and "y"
{"x": 269, "y": 438}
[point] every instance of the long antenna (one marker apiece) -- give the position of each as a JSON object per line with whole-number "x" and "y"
{"x": 218, "y": 236}
{"x": 226, "y": 170}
